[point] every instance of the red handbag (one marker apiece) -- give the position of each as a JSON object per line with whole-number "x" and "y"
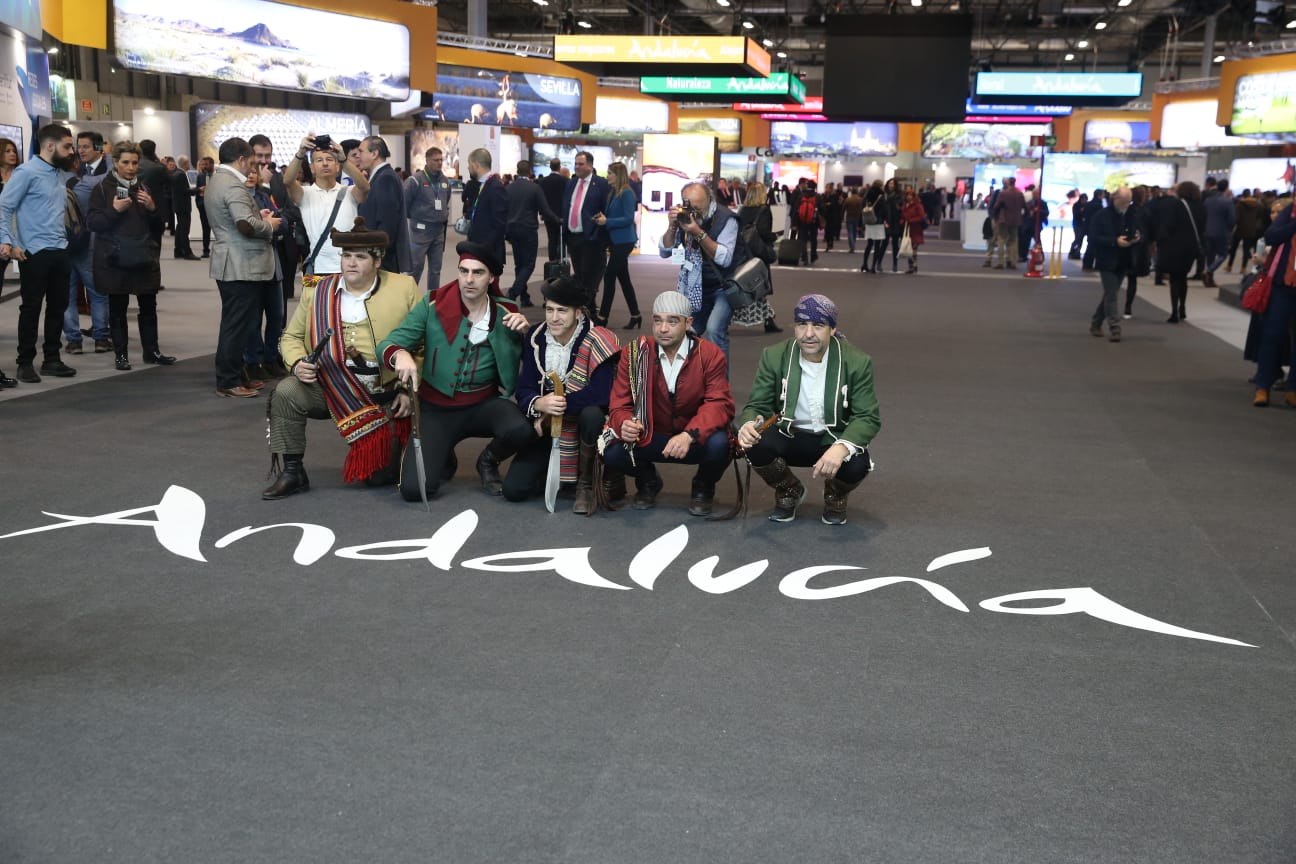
{"x": 1256, "y": 298}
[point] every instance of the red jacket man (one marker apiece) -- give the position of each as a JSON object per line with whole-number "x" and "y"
{"x": 670, "y": 403}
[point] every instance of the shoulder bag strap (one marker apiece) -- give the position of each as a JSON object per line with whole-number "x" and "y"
{"x": 309, "y": 263}
{"x": 1196, "y": 233}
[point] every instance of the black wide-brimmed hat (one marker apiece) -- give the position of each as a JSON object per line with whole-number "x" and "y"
{"x": 469, "y": 249}
{"x": 565, "y": 291}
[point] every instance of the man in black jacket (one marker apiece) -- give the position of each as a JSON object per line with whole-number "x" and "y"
{"x": 182, "y": 201}
{"x": 525, "y": 200}
{"x": 384, "y": 208}
{"x": 554, "y": 185}
{"x": 490, "y": 211}
{"x": 153, "y": 174}
{"x": 1112, "y": 237}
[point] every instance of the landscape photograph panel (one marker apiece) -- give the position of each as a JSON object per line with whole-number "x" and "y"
{"x": 265, "y": 45}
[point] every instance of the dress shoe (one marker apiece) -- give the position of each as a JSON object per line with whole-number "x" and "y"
{"x": 635, "y": 322}
{"x": 276, "y": 369}
{"x": 1115, "y": 335}
{"x": 206, "y": 253}
{"x": 700, "y": 504}
{"x": 188, "y": 256}
{"x": 1289, "y": 399}
{"x": 488, "y": 471}
{"x": 6, "y": 381}
{"x": 27, "y": 374}
{"x": 253, "y": 383}
{"x": 1261, "y": 399}
{"x": 236, "y": 392}
{"x": 290, "y": 481}
{"x": 122, "y": 363}
{"x": 647, "y": 490}
{"x": 157, "y": 357}
{"x": 74, "y": 348}
{"x": 103, "y": 346}
{"x": 1173, "y": 319}
{"x": 57, "y": 368}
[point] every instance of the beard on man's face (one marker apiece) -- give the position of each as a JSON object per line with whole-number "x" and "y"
{"x": 64, "y": 163}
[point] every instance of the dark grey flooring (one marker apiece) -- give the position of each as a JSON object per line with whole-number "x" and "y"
{"x": 155, "y": 708}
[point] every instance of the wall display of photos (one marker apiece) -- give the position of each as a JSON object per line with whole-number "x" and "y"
{"x": 215, "y": 122}
{"x": 1108, "y": 136}
{"x": 1139, "y": 173}
{"x": 1263, "y": 103}
{"x": 1192, "y": 126}
{"x": 727, "y": 130}
{"x": 982, "y": 140}
{"x": 628, "y": 118}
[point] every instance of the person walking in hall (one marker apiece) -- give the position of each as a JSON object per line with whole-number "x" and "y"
{"x": 554, "y": 184}
{"x": 205, "y": 167}
{"x": 489, "y": 214}
{"x": 81, "y": 256}
{"x": 1140, "y": 256}
{"x": 756, "y": 221}
{"x": 1007, "y": 213}
{"x": 1221, "y": 218}
{"x": 618, "y": 222}
{"x": 1281, "y": 238}
{"x": 34, "y": 223}
{"x": 894, "y": 225}
{"x": 427, "y": 201}
{"x": 1179, "y": 219}
{"x": 156, "y": 179}
{"x": 1114, "y": 235}
{"x": 182, "y": 202}
{"x": 831, "y": 209}
{"x": 383, "y": 209}
{"x": 913, "y": 216}
{"x": 1079, "y": 225}
{"x": 806, "y": 219}
{"x": 852, "y": 209}
{"x": 1095, "y": 206}
{"x": 875, "y": 216}
{"x": 527, "y": 205}
{"x": 1249, "y": 226}
{"x": 586, "y": 195}
{"x": 123, "y": 217}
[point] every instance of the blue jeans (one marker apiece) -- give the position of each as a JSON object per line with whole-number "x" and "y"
{"x": 712, "y": 322}
{"x": 852, "y": 234}
{"x": 271, "y": 306}
{"x": 711, "y": 456}
{"x": 1216, "y": 251}
{"x": 83, "y": 273}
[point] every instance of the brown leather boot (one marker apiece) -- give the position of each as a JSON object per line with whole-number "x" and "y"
{"x": 836, "y": 496}
{"x": 291, "y": 480}
{"x": 584, "y": 503}
{"x": 614, "y": 485}
{"x": 788, "y": 490}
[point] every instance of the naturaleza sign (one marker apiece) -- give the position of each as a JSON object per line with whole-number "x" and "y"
{"x": 781, "y": 84}
{"x": 177, "y": 522}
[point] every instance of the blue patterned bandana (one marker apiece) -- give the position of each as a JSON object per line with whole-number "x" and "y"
{"x": 815, "y": 309}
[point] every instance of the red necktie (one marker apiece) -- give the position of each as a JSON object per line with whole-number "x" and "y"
{"x": 574, "y": 223}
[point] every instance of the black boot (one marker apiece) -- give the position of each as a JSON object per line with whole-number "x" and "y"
{"x": 584, "y": 504}
{"x": 772, "y": 327}
{"x": 488, "y": 469}
{"x": 614, "y": 485}
{"x": 701, "y": 499}
{"x": 121, "y": 362}
{"x": 836, "y": 496}
{"x": 648, "y": 485}
{"x": 788, "y": 490}
{"x": 291, "y": 480}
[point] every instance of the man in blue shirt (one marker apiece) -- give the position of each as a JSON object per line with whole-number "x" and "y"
{"x": 33, "y": 231}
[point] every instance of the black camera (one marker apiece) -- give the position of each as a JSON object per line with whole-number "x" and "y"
{"x": 323, "y": 142}
{"x": 685, "y": 214}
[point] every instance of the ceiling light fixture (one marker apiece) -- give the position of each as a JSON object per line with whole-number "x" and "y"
{"x": 723, "y": 3}
{"x": 748, "y": 25}
{"x": 540, "y": 2}
{"x": 782, "y": 55}
{"x": 1291, "y": 25}
{"x": 584, "y": 24}
{"x": 1123, "y": 3}
{"x": 1219, "y": 58}
{"x": 916, "y": 2}
{"x": 768, "y": 43}
{"x": 1083, "y": 43}
{"x": 1069, "y": 57}
{"x": 1101, "y": 25}
{"x": 52, "y": 51}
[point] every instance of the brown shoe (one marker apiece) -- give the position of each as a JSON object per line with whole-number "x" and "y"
{"x": 1289, "y": 398}
{"x": 1114, "y": 337}
{"x": 253, "y": 383}
{"x": 1095, "y": 330}
{"x": 1261, "y": 399}
{"x": 236, "y": 392}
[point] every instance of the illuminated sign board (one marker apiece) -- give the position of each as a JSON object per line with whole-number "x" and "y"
{"x": 1192, "y": 126}
{"x": 1019, "y": 110}
{"x": 682, "y": 53}
{"x": 1101, "y": 136}
{"x": 1073, "y": 88}
{"x": 265, "y": 44}
{"x": 1263, "y": 103}
{"x": 834, "y": 140}
{"x": 812, "y": 105}
{"x": 493, "y": 97}
{"x": 215, "y": 122}
{"x": 980, "y": 141}
{"x": 628, "y": 118}
{"x": 781, "y": 84}
{"x": 727, "y": 130}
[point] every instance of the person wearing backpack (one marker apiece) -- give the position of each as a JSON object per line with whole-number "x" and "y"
{"x": 807, "y": 223}
{"x": 756, "y": 232}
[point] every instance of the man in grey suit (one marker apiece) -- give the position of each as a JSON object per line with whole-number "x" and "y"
{"x": 525, "y": 200}
{"x": 242, "y": 260}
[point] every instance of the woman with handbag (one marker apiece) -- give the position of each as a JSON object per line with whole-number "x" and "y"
{"x": 913, "y": 218}
{"x": 756, "y": 226}
{"x": 124, "y": 219}
{"x": 1280, "y": 239}
{"x": 874, "y": 216}
{"x": 894, "y": 226}
{"x": 1181, "y": 218}
{"x": 618, "y": 221}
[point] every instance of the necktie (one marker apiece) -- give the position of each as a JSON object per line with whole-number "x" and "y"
{"x": 578, "y": 199}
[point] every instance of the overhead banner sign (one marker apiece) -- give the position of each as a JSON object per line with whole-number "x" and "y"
{"x": 1263, "y": 103}
{"x": 781, "y": 84}
{"x": 497, "y": 98}
{"x": 1019, "y": 110}
{"x": 811, "y": 105}
{"x": 1070, "y": 88}
{"x": 684, "y": 55}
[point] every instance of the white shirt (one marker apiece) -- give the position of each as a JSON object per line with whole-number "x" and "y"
{"x": 671, "y": 368}
{"x": 353, "y": 307}
{"x": 810, "y": 400}
{"x": 316, "y": 205}
{"x": 558, "y": 357}
{"x": 242, "y": 178}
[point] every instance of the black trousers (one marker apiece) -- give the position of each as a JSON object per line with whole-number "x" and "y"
{"x": 240, "y": 314}
{"x": 44, "y": 278}
{"x": 499, "y": 419}
{"x": 148, "y": 322}
{"x": 588, "y": 262}
{"x": 1178, "y": 290}
{"x": 618, "y": 267}
{"x": 183, "y": 221}
{"x": 808, "y": 234}
{"x": 553, "y": 232}
{"x": 206, "y": 228}
{"x": 803, "y": 450}
{"x": 527, "y": 472}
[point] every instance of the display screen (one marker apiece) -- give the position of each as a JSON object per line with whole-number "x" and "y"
{"x": 1066, "y": 175}
{"x": 542, "y": 152}
{"x": 897, "y": 67}
{"x": 1105, "y": 136}
{"x": 727, "y": 130}
{"x": 1192, "y": 126}
{"x": 216, "y": 122}
{"x": 494, "y": 97}
{"x": 629, "y": 118}
{"x": 981, "y": 140}
{"x": 1131, "y": 174}
{"x": 681, "y": 55}
{"x": 834, "y": 140}
{"x": 1267, "y": 175}
{"x": 812, "y": 105}
{"x": 25, "y": 15}
{"x": 1265, "y": 103}
{"x": 265, "y": 45}
{"x": 1074, "y": 88}
{"x": 1019, "y": 110}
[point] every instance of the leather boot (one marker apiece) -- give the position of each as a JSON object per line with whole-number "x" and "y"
{"x": 836, "y": 495}
{"x": 614, "y": 485}
{"x": 291, "y": 480}
{"x": 584, "y": 504}
{"x": 488, "y": 470}
{"x": 788, "y": 490}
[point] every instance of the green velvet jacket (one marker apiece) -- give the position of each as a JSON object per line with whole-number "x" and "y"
{"x": 850, "y": 405}
{"x": 448, "y": 366}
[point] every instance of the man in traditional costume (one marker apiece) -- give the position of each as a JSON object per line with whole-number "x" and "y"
{"x": 820, "y": 389}
{"x": 337, "y": 376}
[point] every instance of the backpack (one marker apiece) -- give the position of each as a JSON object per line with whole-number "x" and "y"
{"x": 807, "y": 210}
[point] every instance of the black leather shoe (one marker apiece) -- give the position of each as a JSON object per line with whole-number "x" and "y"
{"x": 525, "y": 302}
{"x": 57, "y": 368}
{"x": 74, "y": 348}
{"x": 488, "y": 470}
{"x": 635, "y": 322}
{"x": 159, "y": 358}
{"x": 122, "y": 363}
{"x": 27, "y": 374}
{"x": 700, "y": 504}
{"x": 103, "y": 346}
{"x": 290, "y": 482}
{"x": 647, "y": 491}
{"x": 6, "y": 381}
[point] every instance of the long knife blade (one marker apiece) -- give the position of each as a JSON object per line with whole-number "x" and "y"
{"x": 416, "y": 437}
{"x": 553, "y": 476}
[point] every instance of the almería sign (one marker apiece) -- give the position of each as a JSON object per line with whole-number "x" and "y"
{"x": 178, "y": 520}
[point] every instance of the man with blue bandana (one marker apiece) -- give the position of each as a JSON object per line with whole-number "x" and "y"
{"x": 821, "y": 389}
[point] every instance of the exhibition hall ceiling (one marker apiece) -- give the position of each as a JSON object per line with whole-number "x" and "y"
{"x": 1162, "y": 38}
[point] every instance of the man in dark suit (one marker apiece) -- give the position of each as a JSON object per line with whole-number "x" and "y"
{"x": 153, "y": 174}
{"x": 384, "y": 208}
{"x": 586, "y": 195}
{"x": 490, "y": 211}
{"x": 182, "y": 200}
{"x": 554, "y": 185}
{"x": 525, "y": 200}
{"x": 90, "y": 153}
{"x": 206, "y": 165}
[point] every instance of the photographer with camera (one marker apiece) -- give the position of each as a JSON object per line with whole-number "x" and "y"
{"x": 325, "y": 203}
{"x": 703, "y": 240}
{"x": 1114, "y": 235}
